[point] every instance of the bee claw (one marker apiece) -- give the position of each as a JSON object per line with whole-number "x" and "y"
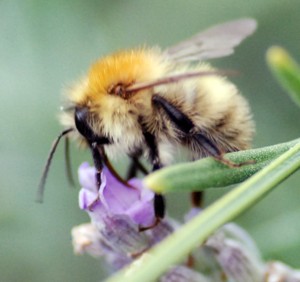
{"x": 154, "y": 224}
{"x": 232, "y": 164}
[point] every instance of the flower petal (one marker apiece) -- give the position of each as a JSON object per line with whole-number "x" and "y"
{"x": 142, "y": 211}
{"x": 116, "y": 195}
{"x": 87, "y": 198}
{"x": 87, "y": 177}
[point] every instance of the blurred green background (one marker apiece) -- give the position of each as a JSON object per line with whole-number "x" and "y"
{"x": 45, "y": 45}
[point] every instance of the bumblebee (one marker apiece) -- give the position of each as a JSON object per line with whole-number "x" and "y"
{"x": 147, "y": 102}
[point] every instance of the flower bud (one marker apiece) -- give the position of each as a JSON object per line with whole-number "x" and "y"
{"x": 86, "y": 239}
{"x": 236, "y": 261}
{"x": 183, "y": 274}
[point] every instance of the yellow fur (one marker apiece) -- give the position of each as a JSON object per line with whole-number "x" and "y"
{"x": 126, "y": 67}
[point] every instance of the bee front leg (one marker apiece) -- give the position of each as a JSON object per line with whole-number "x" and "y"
{"x": 159, "y": 200}
{"x": 97, "y": 162}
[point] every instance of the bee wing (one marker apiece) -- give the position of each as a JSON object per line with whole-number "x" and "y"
{"x": 217, "y": 41}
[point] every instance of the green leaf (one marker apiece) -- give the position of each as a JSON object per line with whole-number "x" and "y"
{"x": 208, "y": 173}
{"x": 176, "y": 247}
{"x": 286, "y": 70}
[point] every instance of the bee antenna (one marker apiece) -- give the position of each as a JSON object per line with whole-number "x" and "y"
{"x": 41, "y": 188}
{"x": 177, "y": 77}
{"x": 68, "y": 162}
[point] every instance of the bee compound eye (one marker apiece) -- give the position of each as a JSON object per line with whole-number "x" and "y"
{"x": 81, "y": 122}
{"x": 82, "y": 117}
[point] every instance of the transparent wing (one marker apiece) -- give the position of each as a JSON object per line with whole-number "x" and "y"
{"x": 217, "y": 41}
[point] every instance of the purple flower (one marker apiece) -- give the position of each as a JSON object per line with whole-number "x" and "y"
{"x": 117, "y": 211}
{"x": 114, "y": 198}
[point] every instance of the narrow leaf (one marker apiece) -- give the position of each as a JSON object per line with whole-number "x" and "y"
{"x": 208, "y": 173}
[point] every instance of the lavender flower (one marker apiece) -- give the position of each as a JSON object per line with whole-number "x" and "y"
{"x": 114, "y": 198}
{"x": 117, "y": 211}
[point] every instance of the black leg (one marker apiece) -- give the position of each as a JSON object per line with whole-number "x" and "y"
{"x": 134, "y": 167}
{"x": 212, "y": 150}
{"x": 159, "y": 201}
{"x": 182, "y": 122}
{"x": 153, "y": 150}
{"x": 110, "y": 167}
{"x": 159, "y": 206}
{"x": 159, "y": 212}
{"x": 197, "y": 198}
{"x": 97, "y": 162}
{"x": 100, "y": 159}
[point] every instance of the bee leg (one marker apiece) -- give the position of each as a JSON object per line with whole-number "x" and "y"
{"x": 159, "y": 200}
{"x": 97, "y": 162}
{"x": 159, "y": 206}
{"x": 179, "y": 119}
{"x": 107, "y": 163}
{"x": 213, "y": 151}
{"x": 159, "y": 212}
{"x": 187, "y": 128}
{"x": 134, "y": 167}
{"x": 197, "y": 199}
